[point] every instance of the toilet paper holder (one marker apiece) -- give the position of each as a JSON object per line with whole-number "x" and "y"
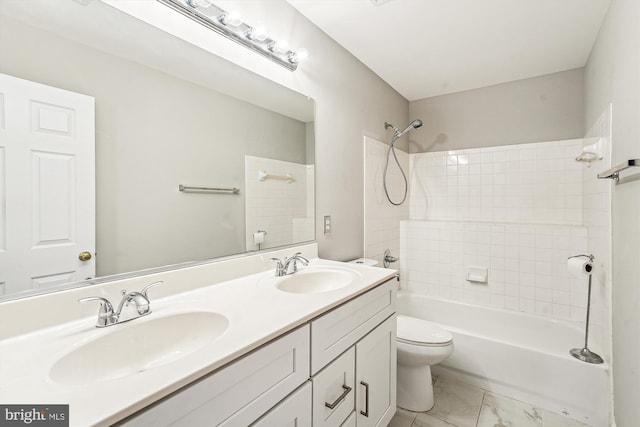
{"x": 591, "y": 257}
{"x": 584, "y": 353}
{"x": 259, "y": 237}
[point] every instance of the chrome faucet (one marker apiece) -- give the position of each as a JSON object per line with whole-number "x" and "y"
{"x": 283, "y": 267}
{"x": 133, "y": 305}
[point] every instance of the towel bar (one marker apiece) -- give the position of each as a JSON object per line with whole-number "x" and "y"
{"x": 614, "y": 172}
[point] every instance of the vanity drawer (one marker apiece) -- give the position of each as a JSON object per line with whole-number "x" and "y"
{"x": 334, "y": 386}
{"x": 342, "y": 327}
{"x": 240, "y": 392}
{"x": 295, "y": 410}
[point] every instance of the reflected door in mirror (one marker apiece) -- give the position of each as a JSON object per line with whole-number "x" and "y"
{"x": 47, "y": 181}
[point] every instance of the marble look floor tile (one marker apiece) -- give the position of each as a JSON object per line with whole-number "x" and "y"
{"x": 550, "y": 419}
{"x": 456, "y": 403}
{"x": 500, "y": 411}
{"x": 402, "y": 418}
{"x": 425, "y": 420}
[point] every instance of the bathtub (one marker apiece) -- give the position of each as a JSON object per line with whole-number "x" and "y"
{"x": 518, "y": 355}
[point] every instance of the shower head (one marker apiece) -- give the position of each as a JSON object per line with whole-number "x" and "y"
{"x": 413, "y": 125}
{"x": 396, "y": 132}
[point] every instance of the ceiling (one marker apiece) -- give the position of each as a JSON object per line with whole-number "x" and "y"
{"x": 425, "y": 48}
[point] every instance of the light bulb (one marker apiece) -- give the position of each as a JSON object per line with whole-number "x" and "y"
{"x": 258, "y": 33}
{"x": 302, "y": 54}
{"x": 199, "y": 3}
{"x": 299, "y": 56}
{"x": 232, "y": 18}
{"x": 280, "y": 46}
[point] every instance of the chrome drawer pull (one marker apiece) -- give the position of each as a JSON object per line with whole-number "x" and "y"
{"x": 366, "y": 399}
{"x": 340, "y": 398}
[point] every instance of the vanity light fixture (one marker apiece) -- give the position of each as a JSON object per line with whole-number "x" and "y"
{"x": 230, "y": 25}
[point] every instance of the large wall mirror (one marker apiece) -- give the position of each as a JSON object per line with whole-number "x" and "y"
{"x": 159, "y": 113}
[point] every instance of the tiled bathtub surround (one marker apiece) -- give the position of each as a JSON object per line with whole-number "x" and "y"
{"x": 382, "y": 219}
{"x": 524, "y": 183}
{"x": 517, "y": 210}
{"x": 527, "y": 265}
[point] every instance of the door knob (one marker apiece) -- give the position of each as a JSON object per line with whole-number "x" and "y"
{"x": 84, "y": 256}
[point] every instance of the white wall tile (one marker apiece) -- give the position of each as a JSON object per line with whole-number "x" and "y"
{"x": 517, "y": 282}
{"x": 518, "y": 184}
{"x": 382, "y": 219}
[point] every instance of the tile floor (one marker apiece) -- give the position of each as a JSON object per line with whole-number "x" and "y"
{"x": 462, "y": 405}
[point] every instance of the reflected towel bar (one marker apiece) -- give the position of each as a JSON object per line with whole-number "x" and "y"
{"x": 614, "y": 172}
{"x": 262, "y": 176}
{"x": 188, "y": 189}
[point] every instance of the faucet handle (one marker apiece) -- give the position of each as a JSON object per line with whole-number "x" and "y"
{"x": 280, "y": 266}
{"x": 105, "y": 312}
{"x": 292, "y": 257}
{"x": 105, "y": 305}
{"x": 152, "y": 285}
{"x": 277, "y": 260}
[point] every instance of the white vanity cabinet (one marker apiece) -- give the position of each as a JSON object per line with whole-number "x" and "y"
{"x": 239, "y": 393}
{"x": 364, "y": 375}
{"x": 337, "y": 370}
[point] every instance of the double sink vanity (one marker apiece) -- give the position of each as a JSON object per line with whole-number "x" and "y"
{"x": 224, "y": 343}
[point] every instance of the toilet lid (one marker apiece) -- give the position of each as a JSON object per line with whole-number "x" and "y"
{"x": 421, "y": 332}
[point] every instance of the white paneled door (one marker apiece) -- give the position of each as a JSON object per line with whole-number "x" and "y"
{"x": 47, "y": 183}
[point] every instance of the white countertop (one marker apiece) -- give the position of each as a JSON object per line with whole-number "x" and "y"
{"x": 257, "y": 313}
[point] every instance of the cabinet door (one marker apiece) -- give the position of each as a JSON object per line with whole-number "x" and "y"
{"x": 351, "y": 421}
{"x": 376, "y": 375}
{"x": 333, "y": 391}
{"x": 294, "y": 411}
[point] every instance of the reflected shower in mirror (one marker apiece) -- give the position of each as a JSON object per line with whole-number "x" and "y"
{"x": 166, "y": 114}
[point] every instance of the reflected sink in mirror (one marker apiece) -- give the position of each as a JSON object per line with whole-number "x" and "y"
{"x": 316, "y": 280}
{"x": 138, "y": 346}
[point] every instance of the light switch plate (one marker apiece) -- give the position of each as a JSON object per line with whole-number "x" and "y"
{"x": 327, "y": 224}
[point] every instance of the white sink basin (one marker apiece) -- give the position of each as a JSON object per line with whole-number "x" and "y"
{"x": 138, "y": 345}
{"x": 316, "y": 280}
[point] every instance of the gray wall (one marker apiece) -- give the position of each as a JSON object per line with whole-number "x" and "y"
{"x": 613, "y": 76}
{"x": 545, "y": 108}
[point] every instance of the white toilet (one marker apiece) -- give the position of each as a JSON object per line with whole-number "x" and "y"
{"x": 420, "y": 345}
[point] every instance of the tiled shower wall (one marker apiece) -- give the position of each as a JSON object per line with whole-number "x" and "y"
{"x": 382, "y": 219}
{"x": 523, "y": 183}
{"x": 516, "y": 210}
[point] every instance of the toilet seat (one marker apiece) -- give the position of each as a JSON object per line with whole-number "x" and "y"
{"x": 421, "y": 332}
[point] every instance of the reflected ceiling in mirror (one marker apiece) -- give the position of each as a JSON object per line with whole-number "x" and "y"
{"x": 167, "y": 113}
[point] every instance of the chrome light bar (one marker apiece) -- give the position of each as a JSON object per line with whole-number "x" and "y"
{"x": 215, "y": 18}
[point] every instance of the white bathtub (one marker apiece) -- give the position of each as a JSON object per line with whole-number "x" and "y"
{"x": 518, "y": 355}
